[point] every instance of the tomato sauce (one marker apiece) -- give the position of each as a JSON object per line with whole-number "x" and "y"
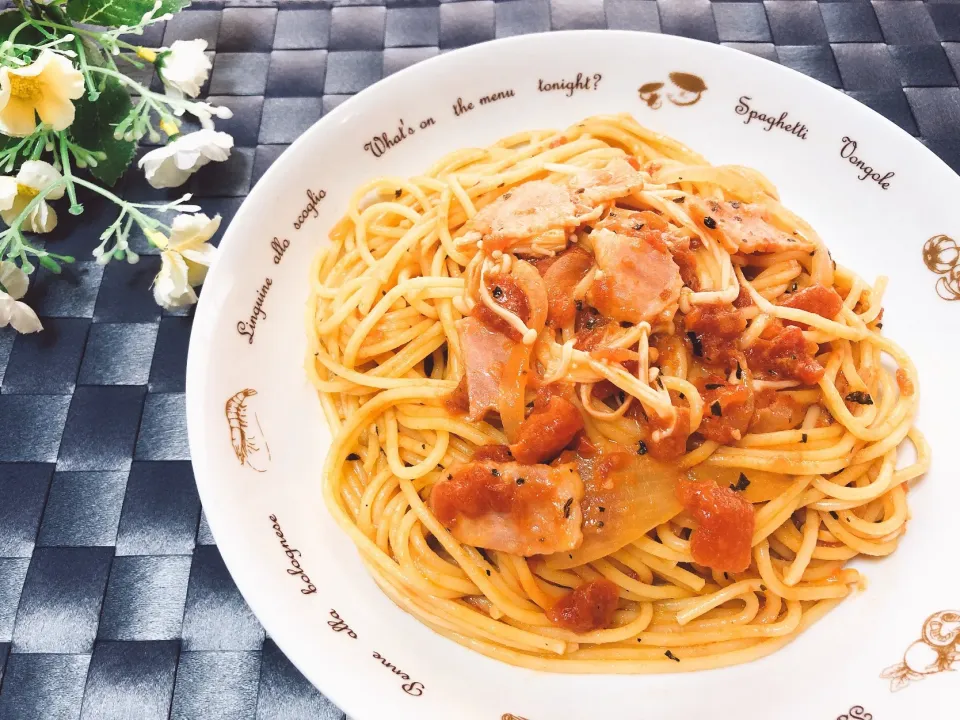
{"x": 817, "y": 299}
{"x": 561, "y": 278}
{"x": 507, "y": 294}
{"x": 727, "y": 410}
{"x": 545, "y": 433}
{"x": 725, "y": 524}
{"x": 717, "y": 329}
{"x": 588, "y": 607}
{"x": 785, "y": 354}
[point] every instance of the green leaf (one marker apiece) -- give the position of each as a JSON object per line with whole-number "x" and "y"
{"x": 93, "y": 129}
{"x": 119, "y": 12}
{"x": 10, "y": 20}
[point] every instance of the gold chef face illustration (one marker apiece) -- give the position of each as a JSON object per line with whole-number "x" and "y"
{"x": 687, "y": 88}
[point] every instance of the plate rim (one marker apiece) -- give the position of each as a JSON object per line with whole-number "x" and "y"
{"x": 199, "y": 352}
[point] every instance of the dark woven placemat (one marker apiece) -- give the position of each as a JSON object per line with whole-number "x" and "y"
{"x": 114, "y": 601}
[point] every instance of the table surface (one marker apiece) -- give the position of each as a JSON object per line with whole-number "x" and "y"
{"x": 114, "y": 600}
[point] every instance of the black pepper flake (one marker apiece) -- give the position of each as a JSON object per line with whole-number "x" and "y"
{"x": 672, "y": 656}
{"x": 625, "y": 324}
{"x": 742, "y": 483}
{"x": 697, "y": 345}
{"x": 449, "y": 476}
{"x": 488, "y": 573}
{"x": 739, "y": 371}
{"x": 398, "y": 193}
{"x": 834, "y": 515}
{"x": 642, "y": 448}
{"x": 579, "y": 191}
{"x": 793, "y": 288}
{"x": 638, "y": 226}
{"x": 879, "y": 325}
{"x": 501, "y": 185}
{"x": 803, "y": 438}
{"x": 353, "y": 456}
{"x": 735, "y": 204}
{"x": 638, "y": 640}
{"x": 682, "y": 396}
{"x": 578, "y": 304}
{"x": 679, "y": 201}
{"x": 543, "y": 539}
{"x": 710, "y": 222}
{"x": 566, "y": 507}
{"x": 497, "y": 292}
{"x": 600, "y": 524}
{"x": 506, "y": 195}
{"x": 715, "y": 409}
{"x": 713, "y": 386}
{"x": 494, "y": 472}
{"x": 659, "y": 382}
{"x": 861, "y": 398}
{"x": 601, "y": 508}
{"x": 570, "y": 555}
{"x": 521, "y": 481}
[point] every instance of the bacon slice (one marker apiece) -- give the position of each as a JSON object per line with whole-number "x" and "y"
{"x": 561, "y": 278}
{"x": 640, "y": 280}
{"x": 716, "y": 330}
{"x": 485, "y": 353}
{"x": 725, "y": 523}
{"x": 528, "y": 211}
{"x": 547, "y": 431}
{"x": 617, "y": 179}
{"x": 588, "y": 607}
{"x": 744, "y": 227}
{"x": 520, "y": 509}
{"x": 785, "y": 354}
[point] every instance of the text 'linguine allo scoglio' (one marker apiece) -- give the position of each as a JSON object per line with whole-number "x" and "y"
{"x": 600, "y": 406}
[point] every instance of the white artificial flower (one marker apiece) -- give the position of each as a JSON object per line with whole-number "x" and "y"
{"x": 184, "y": 68}
{"x": 18, "y": 315}
{"x": 171, "y": 165}
{"x": 185, "y": 259}
{"x": 46, "y": 88}
{"x": 34, "y": 177}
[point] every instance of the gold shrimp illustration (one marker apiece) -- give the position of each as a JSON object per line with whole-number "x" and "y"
{"x": 250, "y": 448}
{"x": 941, "y": 255}
{"x": 937, "y": 650}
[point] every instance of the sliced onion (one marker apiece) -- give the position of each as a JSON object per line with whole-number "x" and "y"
{"x": 635, "y": 498}
{"x": 513, "y": 383}
{"x": 764, "y": 486}
{"x": 535, "y": 289}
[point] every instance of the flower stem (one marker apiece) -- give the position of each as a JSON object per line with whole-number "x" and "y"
{"x": 75, "y": 207}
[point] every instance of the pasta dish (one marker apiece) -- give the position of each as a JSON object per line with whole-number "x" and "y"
{"x": 600, "y": 406}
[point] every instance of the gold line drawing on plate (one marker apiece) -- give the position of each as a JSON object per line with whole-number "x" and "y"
{"x": 937, "y": 650}
{"x": 509, "y": 716}
{"x": 686, "y": 90}
{"x": 250, "y": 448}
{"x": 941, "y": 255}
{"x": 857, "y": 712}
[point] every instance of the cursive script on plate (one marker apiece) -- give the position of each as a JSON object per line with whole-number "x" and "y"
{"x": 249, "y": 327}
{"x": 292, "y": 555}
{"x": 780, "y": 122}
{"x": 379, "y": 144}
{"x": 310, "y": 209}
{"x": 865, "y": 172}
{"x": 569, "y": 87}
{"x": 338, "y": 625}
{"x": 410, "y": 688}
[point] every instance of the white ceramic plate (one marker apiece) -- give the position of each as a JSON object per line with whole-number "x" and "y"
{"x": 302, "y": 576}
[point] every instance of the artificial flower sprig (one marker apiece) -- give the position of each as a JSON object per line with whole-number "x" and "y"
{"x": 68, "y": 120}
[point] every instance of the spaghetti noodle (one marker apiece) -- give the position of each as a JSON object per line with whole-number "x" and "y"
{"x": 600, "y": 406}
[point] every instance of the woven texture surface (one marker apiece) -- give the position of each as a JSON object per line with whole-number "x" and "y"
{"x": 114, "y": 600}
